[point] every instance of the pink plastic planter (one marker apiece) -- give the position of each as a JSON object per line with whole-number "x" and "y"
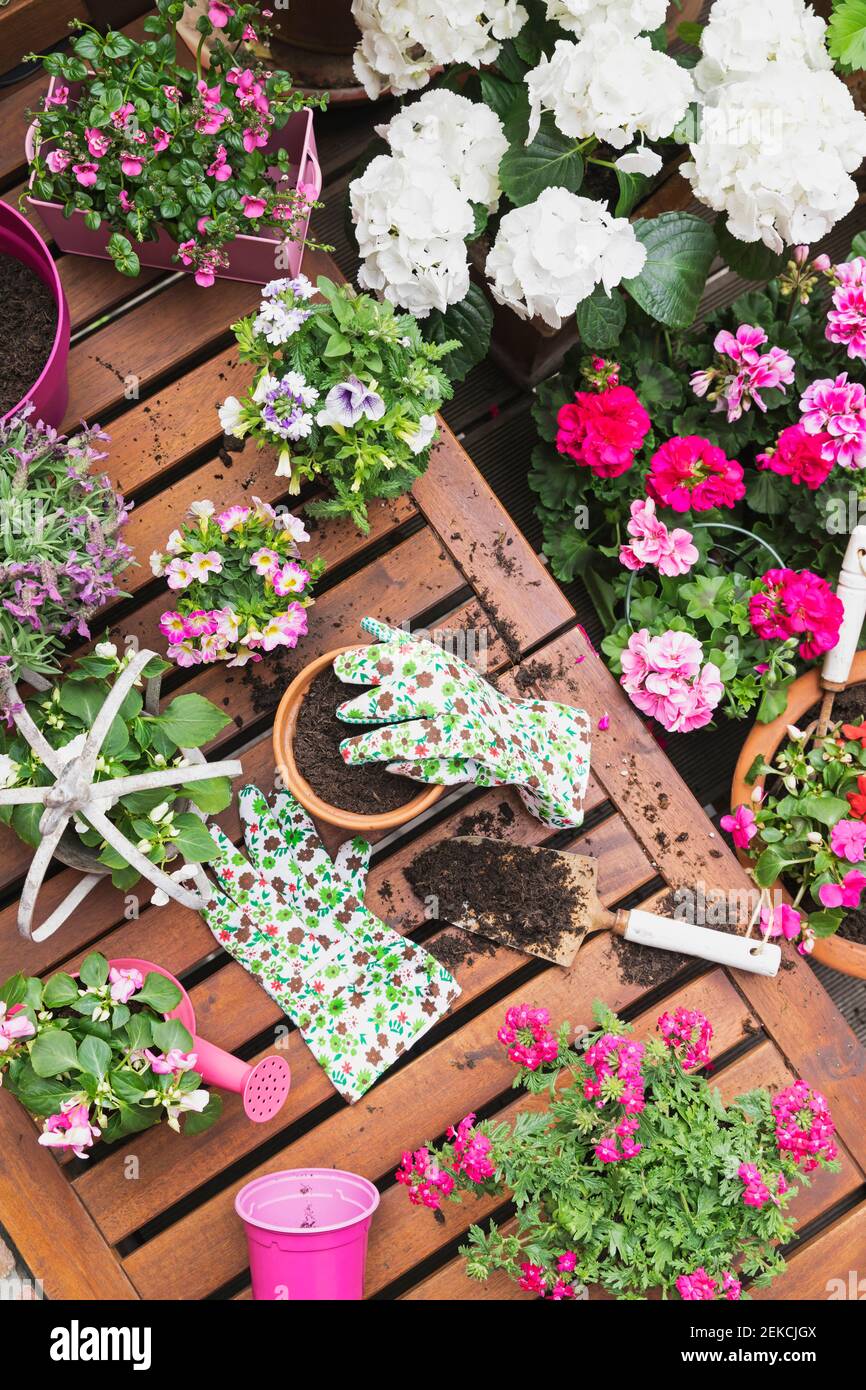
{"x": 50, "y": 392}
{"x": 263, "y": 1087}
{"x": 250, "y": 257}
{"x": 307, "y": 1233}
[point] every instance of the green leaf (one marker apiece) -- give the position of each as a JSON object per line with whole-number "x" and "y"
{"x": 680, "y": 250}
{"x": 125, "y": 259}
{"x": 54, "y": 1052}
{"x": 768, "y": 868}
{"x": 469, "y": 323}
{"x": 846, "y": 34}
{"x": 60, "y": 990}
{"x": 139, "y": 1032}
{"x": 84, "y": 699}
{"x": 191, "y": 720}
{"x": 94, "y": 1055}
{"x": 750, "y": 259}
{"x": 196, "y": 1121}
{"x": 823, "y": 808}
{"x": 172, "y": 1034}
{"x": 193, "y": 838}
{"x": 601, "y": 318}
{"x": 773, "y": 703}
{"x": 764, "y": 494}
{"x": 25, "y": 822}
{"x": 14, "y": 990}
{"x": 825, "y": 923}
{"x": 94, "y": 970}
{"x": 631, "y": 190}
{"x": 161, "y": 994}
{"x": 552, "y": 160}
{"x": 690, "y": 32}
{"x": 211, "y": 796}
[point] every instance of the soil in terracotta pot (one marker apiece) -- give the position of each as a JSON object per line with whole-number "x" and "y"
{"x": 369, "y": 790}
{"x": 535, "y": 898}
{"x": 28, "y": 323}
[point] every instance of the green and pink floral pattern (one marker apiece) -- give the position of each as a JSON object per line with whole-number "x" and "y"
{"x": 443, "y": 723}
{"x": 358, "y": 991}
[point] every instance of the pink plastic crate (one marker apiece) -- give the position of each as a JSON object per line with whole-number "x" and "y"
{"x": 250, "y": 258}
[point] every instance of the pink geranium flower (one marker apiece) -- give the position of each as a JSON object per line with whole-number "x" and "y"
{"x": 671, "y": 552}
{"x": 797, "y": 603}
{"x": 741, "y": 826}
{"x": 603, "y": 430}
{"x": 837, "y": 410}
{"x": 688, "y": 472}
{"x": 800, "y": 456}
{"x": 848, "y": 840}
{"x": 665, "y": 679}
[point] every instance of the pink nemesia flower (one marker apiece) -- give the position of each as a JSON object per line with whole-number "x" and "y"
{"x": 160, "y": 138}
{"x": 98, "y": 143}
{"x": 219, "y": 13}
{"x": 131, "y": 165}
{"x": 252, "y": 205}
{"x": 58, "y": 160}
{"x": 86, "y": 174}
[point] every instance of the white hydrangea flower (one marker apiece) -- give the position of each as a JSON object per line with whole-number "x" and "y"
{"x": 467, "y": 136}
{"x": 411, "y": 222}
{"x": 741, "y": 38}
{"x": 776, "y": 153}
{"x": 551, "y": 254}
{"x": 630, "y": 16}
{"x": 403, "y": 40}
{"x": 610, "y": 87}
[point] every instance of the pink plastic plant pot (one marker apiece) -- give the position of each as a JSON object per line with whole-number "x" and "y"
{"x": 307, "y": 1232}
{"x": 251, "y": 258}
{"x": 50, "y": 392}
{"x": 264, "y": 1087}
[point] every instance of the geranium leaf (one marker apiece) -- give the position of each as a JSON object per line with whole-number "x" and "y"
{"x": 601, "y": 318}
{"x": 750, "y": 259}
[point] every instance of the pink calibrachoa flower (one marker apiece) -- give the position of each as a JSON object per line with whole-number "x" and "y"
{"x": 603, "y": 430}
{"x": 741, "y": 826}
{"x": 253, "y": 206}
{"x": 665, "y": 679}
{"x": 697, "y": 1286}
{"x": 86, "y": 174}
{"x": 265, "y": 562}
{"x": 124, "y": 982}
{"x": 848, "y": 840}
{"x": 800, "y": 456}
{"x": 70, "y": 1129}
{"x": 532, "y": 1278}
{"x": 804, "y": 1126}
{"x": 844, "y": 894}
{"x": 527, "y": 1037}
{"x": 837, "y": 410}
{"x": 689, "y": 473}
{"x": 784, "y": 920}
{"x": 671, "y": 552}
{"x": 797, "y": 603}
{"x": 292, "y": 578}
{"x": 14, "y": 1026}
{"x": 688, "y": 1033}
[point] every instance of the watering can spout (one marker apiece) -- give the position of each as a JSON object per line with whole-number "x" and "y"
{"x": 851, "y": 589}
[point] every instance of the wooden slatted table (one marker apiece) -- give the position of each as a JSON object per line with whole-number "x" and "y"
{"x": 448, "y": 557}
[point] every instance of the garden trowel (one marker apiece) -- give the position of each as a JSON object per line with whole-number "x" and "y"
{"x": 554, "y": 928}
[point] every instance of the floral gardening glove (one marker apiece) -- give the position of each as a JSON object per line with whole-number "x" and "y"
{"x": 358, "y": 991}
{"x": 444, "y": 723}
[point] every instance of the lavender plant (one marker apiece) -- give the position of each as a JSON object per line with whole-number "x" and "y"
{"x": 61, "y": 546}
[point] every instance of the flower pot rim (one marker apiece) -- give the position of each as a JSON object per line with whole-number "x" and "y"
{"x": 285, "y": 723}
{"x": 242, "y": 1200}
{"x": 16, "y": 221}
{"x": 849, "y": 957}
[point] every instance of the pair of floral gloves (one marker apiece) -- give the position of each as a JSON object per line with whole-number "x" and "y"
{"x": 441, "y": 722}
{"x": 359, "y": 992}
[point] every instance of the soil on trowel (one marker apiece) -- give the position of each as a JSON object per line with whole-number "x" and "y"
{"x": 28, "y": 320}
{"x": 533, "y": 895}
{"x": 368, "y": 789}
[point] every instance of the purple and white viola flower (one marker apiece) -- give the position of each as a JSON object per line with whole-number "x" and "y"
{"x": 348, "y": 401}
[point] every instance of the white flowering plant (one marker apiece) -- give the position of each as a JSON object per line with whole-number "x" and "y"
{"x": 533, "y": 164}
{"x": 346, "y": 389}
{"x": 157, "y": 820}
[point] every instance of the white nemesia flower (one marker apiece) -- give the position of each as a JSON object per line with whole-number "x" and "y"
{"x": 551, "y": 254}
{"x": 610, "y": 87}
{"x": 467, "y": 136}
{"x": 639, "y": 161}
{"x": 740, "y": 38}
{"x": 403, "y": 40}
{"x": 230, "y": 415}
{"x": 630, "y": 16}
{"x": 776, "y": 154}
{"x": 411, "y": 221}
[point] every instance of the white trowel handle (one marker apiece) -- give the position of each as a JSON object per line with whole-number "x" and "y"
{"x": 666, "y": 934}
{"x": 851, "y": 589}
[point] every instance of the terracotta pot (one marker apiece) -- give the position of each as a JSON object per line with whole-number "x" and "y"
{"x": 284, "y": 735}
{"x": 765, "y": 739}
{"x": 324, "y": 27}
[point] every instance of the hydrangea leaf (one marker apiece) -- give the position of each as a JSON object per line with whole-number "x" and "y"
{"x": 601, "y": 318}
{"x": 680, "y": 249}
{"x": 552, "y": 160}
{"x": 750, "y": 259}
{"x": 469, "y": 322}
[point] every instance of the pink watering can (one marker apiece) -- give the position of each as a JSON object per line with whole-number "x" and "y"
{"x": 264, "y": 1087}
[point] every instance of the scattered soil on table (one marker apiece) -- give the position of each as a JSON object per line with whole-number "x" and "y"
{"x": 640, "y": 965}
{"x": 29, "y": 321}
{"x": 486, "y": 821}
{"x": 534, "y": 896}
{"x": 369, "y": 789}
{"x": 457, "y": 947}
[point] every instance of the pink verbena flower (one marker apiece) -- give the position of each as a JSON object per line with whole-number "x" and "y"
{"x": 697, "y": 1286}
{"x": 532, "y": 1278}
{"x": 797, "y": 603}
{"x": 527, "y": 1037}
{"x": 804, "y": 1126}
{"x": 741, "y": 826}
{"x": 671, "y": 552}
{"x": 837, "y": 410}
{"x": 471, "y": 1150}
{"x": 731, "y": 1285}
{"x": 688, "y": 472}
{"x": 800, "y": 456}
{"x": 688, "y": 1033}
{"x": 425, "y": 1181}
{"x": 603, "y": 430}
